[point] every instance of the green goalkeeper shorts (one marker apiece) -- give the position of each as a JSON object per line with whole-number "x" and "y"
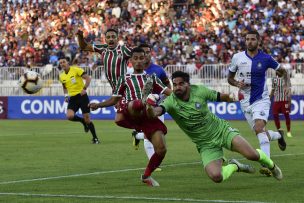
{"x": 214, "y": 151}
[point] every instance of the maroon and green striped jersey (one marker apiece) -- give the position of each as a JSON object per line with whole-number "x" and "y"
{"x": 278, "y": 86}
{"x": 130, "y": 86}
{"x": 114, "y": 61}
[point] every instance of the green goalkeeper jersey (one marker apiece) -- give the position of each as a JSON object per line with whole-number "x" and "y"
{"x": 194, "y": 117}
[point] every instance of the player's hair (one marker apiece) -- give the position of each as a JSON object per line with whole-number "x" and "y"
{"x": 64, "y": 57}
{"x": 137, "y": 50}
{"x": 181, "y": 74}
{"x": 111, "y": 30}
{"x": 254, "y": 32}
{"x": 144, "y": 45}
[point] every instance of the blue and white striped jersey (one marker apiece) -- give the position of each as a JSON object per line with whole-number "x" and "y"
{"x": 253, "y": 72}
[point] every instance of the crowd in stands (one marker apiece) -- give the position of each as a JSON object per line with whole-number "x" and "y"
{"x": 197, "y": 32}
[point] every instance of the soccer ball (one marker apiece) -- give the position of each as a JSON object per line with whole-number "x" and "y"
{"x": 30, "y": 82}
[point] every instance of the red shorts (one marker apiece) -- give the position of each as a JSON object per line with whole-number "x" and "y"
{"x": 281, "y": 107}
{"x": 122, "y": 106}
{"x": 142, "y": 123}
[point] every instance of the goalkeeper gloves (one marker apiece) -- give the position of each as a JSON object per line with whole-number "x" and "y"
{"x": 152, "y": 99}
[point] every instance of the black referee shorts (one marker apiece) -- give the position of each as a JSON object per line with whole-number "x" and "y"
{"x": 78, "y": 101}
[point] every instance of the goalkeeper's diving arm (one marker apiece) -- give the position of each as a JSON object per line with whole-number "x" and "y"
{"x": 155, "y": 111}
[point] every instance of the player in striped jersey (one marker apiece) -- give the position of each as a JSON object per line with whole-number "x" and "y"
{"x": 252, "y": 66}
{"x": 134, "y": 88}
{"x": 281, "y": 103}
{"x": 150, "y": 69}
{"x": 114, "y": 57}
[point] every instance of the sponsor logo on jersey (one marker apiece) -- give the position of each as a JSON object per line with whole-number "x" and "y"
{"x": 259, "y": 65}
{"x": 198, "y": 105}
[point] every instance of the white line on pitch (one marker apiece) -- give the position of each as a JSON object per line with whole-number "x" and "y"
{"x": 127, "y": 197}
{"x": 116, "y": 171}
{"x": 93, "y": 173}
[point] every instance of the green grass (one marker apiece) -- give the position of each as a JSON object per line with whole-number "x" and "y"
{"x": 77, "y": 171}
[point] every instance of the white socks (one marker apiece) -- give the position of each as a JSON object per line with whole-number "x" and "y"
{"x": 264, "y": 143}
{"x": 148, "y": 148}
{"x": 264, "y": 140}
{"x": 140, "y": 136}
{"x": 274, "y": 135}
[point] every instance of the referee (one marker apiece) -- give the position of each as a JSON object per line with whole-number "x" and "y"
{"x": 76, "y": 95}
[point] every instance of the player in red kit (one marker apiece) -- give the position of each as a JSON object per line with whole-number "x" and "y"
{"x": 281, "y": 103}
{"x": 132, "y": 93}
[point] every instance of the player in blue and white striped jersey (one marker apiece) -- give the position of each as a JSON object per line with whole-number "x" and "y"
{"x": 251, "y": 66}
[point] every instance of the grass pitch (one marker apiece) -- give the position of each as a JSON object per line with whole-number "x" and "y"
{"x": 53, "y": 161}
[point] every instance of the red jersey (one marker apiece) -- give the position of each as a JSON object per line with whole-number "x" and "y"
{"x": 278, "y": 86}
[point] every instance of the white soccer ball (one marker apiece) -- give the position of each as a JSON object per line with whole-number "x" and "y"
{"x": 30, "y": 82}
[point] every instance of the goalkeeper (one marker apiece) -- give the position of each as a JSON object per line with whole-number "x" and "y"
{"x": 188, "y": 107}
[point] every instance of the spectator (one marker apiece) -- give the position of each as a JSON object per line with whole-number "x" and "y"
{"x": 31, "y": 27}
{"x": 53, "y": 58}
{"x": 190, "y": 67}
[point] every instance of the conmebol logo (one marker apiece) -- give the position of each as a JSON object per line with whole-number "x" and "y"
{"x": 52, "y": 106}
{"x": 297, "y": 107}
{"x": 37, "y": 106}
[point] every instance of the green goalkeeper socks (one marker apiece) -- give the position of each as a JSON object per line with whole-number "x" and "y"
{"x": 228, "y": 170}
{"x": 264, "y": 159}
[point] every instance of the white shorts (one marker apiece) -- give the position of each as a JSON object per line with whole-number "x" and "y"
{"x": 257, "y": 110}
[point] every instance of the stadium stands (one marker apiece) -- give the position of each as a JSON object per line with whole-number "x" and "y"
{"x": 198, "y": 36}
{"x": 35, "y": 32}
